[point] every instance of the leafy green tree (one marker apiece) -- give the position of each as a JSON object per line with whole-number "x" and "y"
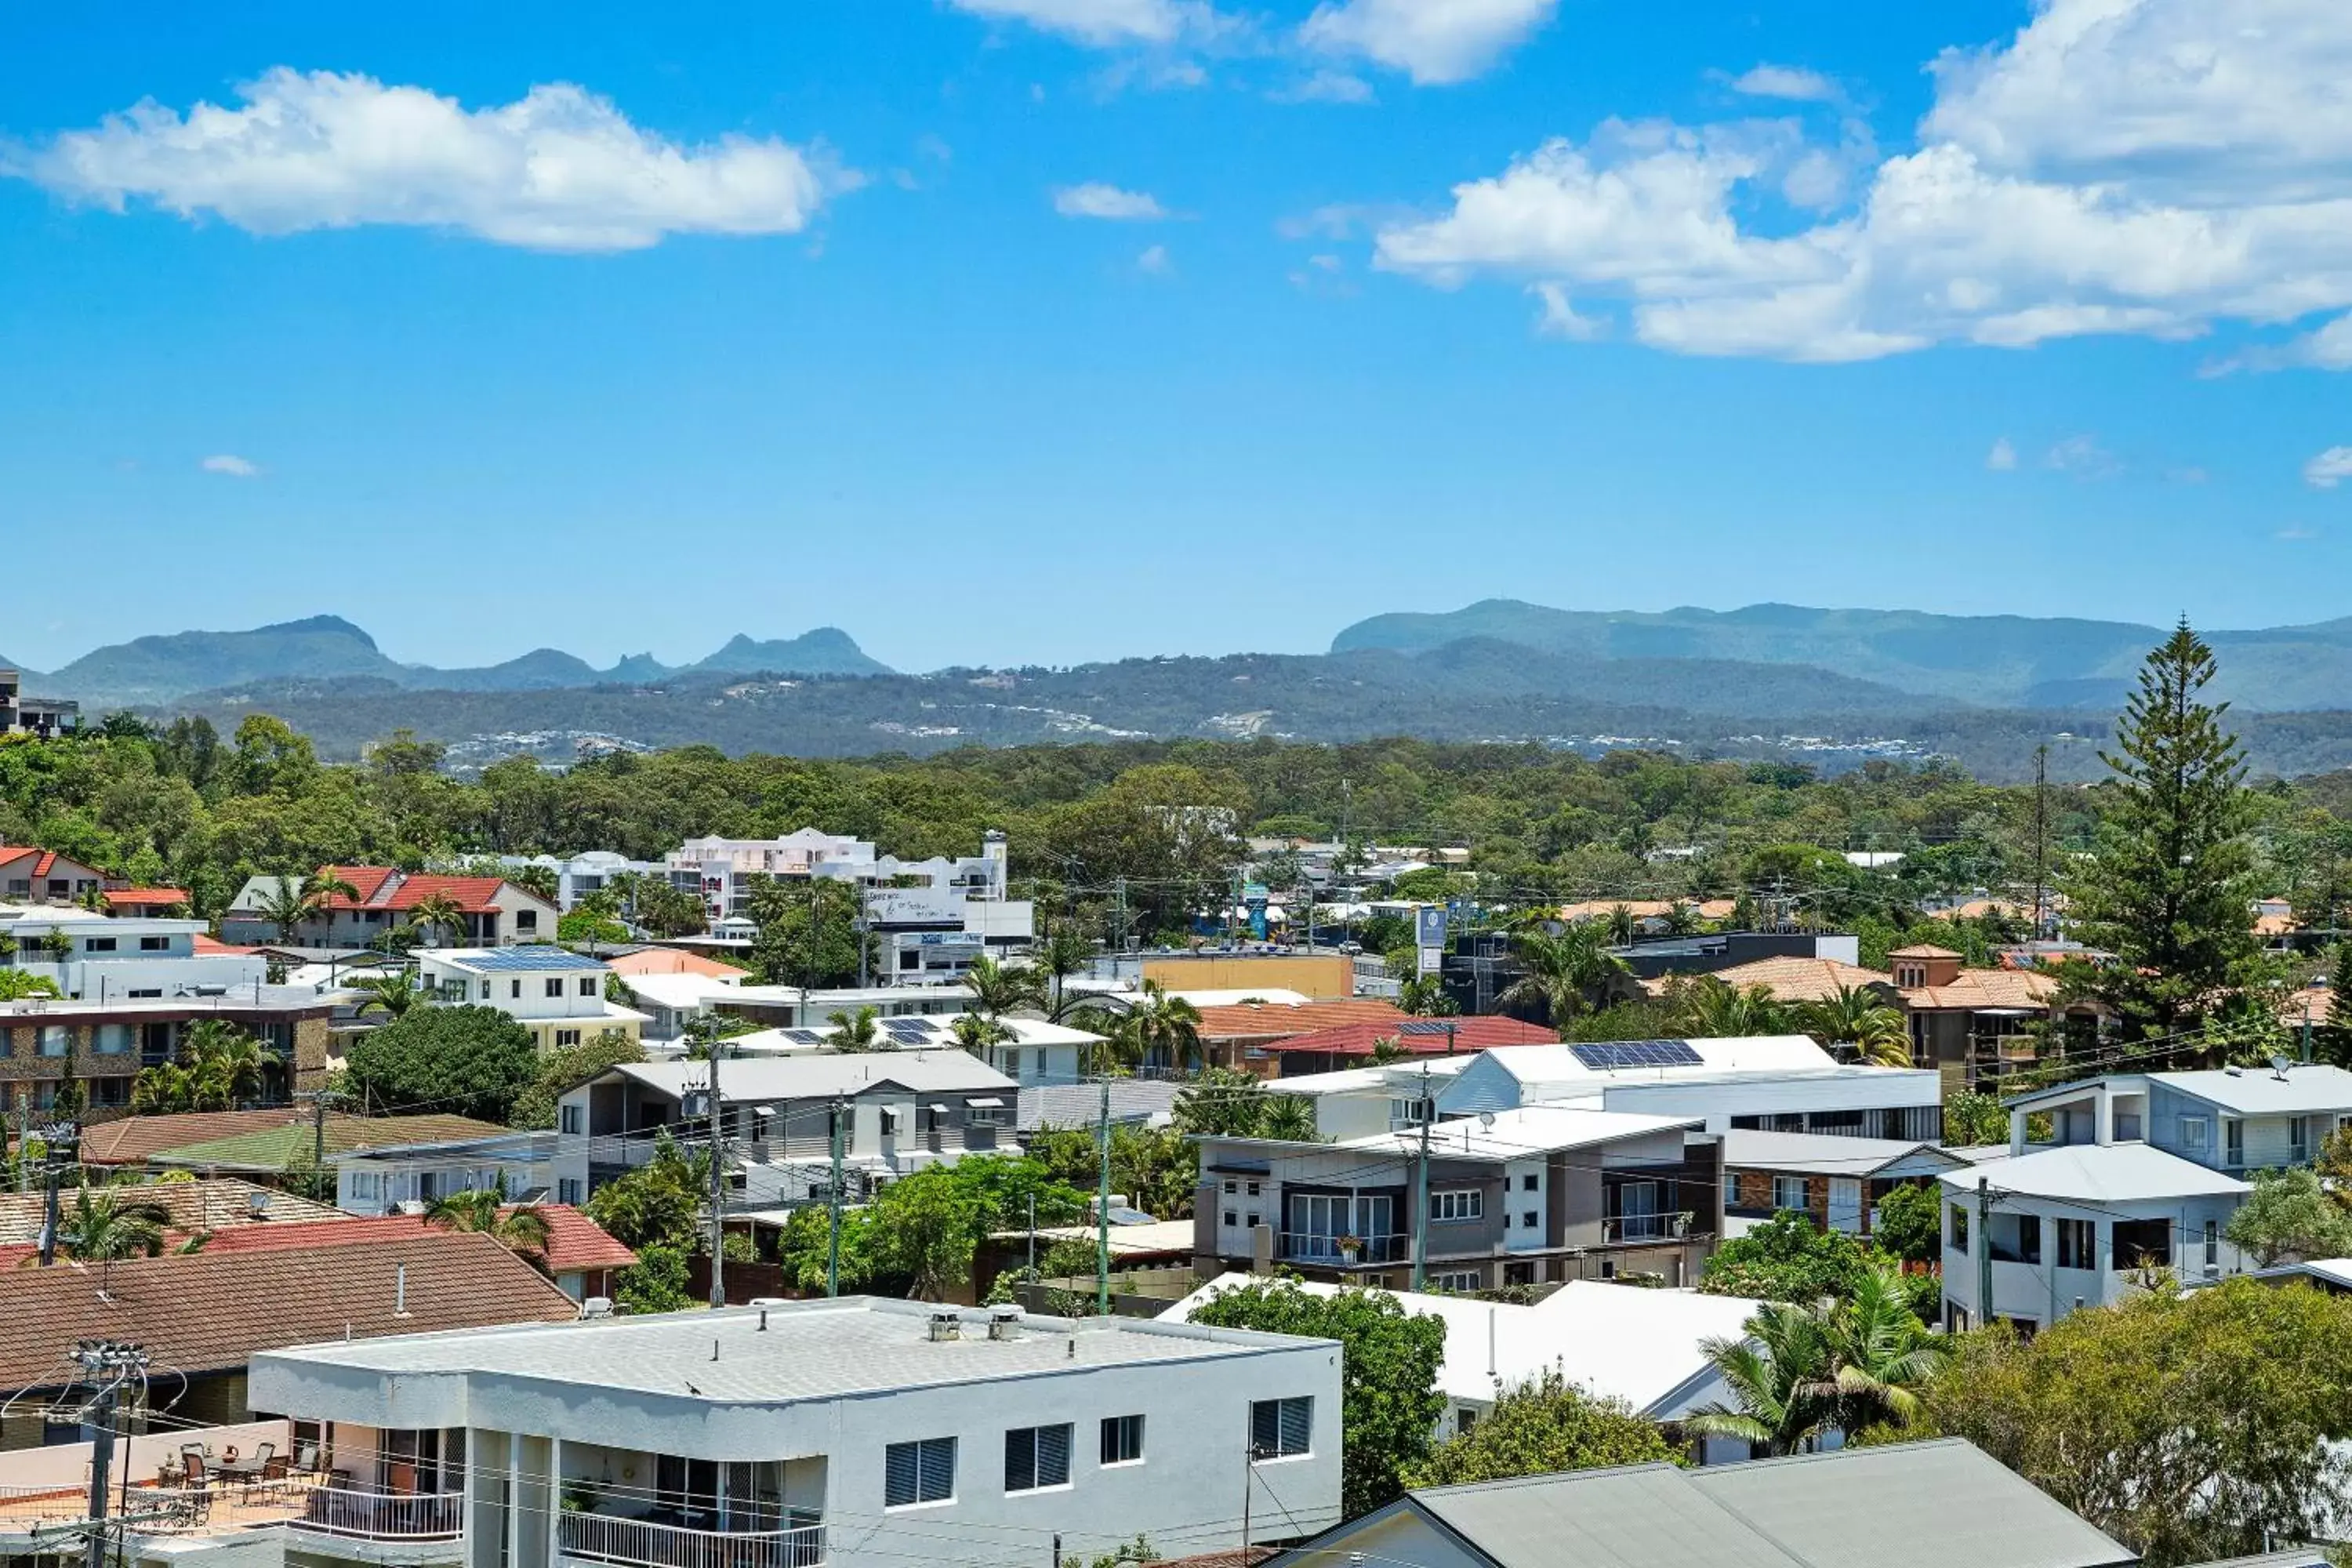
{"x": 655, "y": 1283}
{"x": 1974, "y": 1121}
{"x": 17, "y": 985}
{"x": 927, "y": 1229}
{"x": 1909, "y": 1224}
{"x": 2169, "y": 888}
{"x": 807, "y": 931}
{"x": 1424, "y": 997}
{"x": 660, "y": 1203}
{"x": 2192, "y": 1427}
{"x": 589, "y": 927}
{"x": 566, "y": 1066}
{"x": 1789, "y": 1258}
{"x": 466, "y": 1061}
{"x": 2290, "y": 1215}
{"x": 1388, "y": 1402}
{"x": 1563, "y": 973}
{"x": 2334, "y": 1042}
{"x": 1540, "y": 1426}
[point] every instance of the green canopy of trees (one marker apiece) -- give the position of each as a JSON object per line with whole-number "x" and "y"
{"x": 462, "y": 1061}
{"x": 1544, "y": 1424}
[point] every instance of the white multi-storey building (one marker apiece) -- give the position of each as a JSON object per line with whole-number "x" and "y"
{"x": 853, "y": 1434}
{"x": 89, "y": 957}
{"x": 593, "y": 870}
{"x": 556, "y": 993}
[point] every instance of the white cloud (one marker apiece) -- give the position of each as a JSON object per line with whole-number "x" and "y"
{"x": 559, "y": 169}
{"x": 1101, "y": 22}
{"x": 2002, "y": 458}
{"x": 2083, "y": 457}
{"x": 231, "y": 465}
{"x": 2329, "y": 469}
{"x": 1430, "y": 40}
{"x": 1558, "y": 319}
{"x": 2148, "y": 167}
{"x": 1095, "y": 199}
{"x": 1791, "y": 82}
{"x": 2295, "y": 534}
{"x": 1154, "y": 262}
{"x": 1326, "y": 87}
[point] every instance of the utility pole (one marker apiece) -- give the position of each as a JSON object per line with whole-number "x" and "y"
{"x": 1102, "y": 1212}
{"x": 107, "y": 1363}
{"x": 2040, "y": 835}
{"x": 833, "y": 1202}
{"x": 1984, "y": 1253}
{"x": 1032, "y": 1236}
{"x": 56, "y": 1152}
{"x": 718, "y": 1182}
{"x": 1420, "y": 1188}
{"x": 859, "y": 925}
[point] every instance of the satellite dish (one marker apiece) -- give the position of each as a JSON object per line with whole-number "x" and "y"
{"x": 1486, "y": 1122}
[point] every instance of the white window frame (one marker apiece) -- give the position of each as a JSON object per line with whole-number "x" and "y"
{"x": 567, "y": 1119}
{"x": 1782, "y": 1186}
{"x": 2196, "y": 1132}
{"x": 1036, "y": 1440}
{"x": 1462, "y": 1281}
{"x": 1120, "y": 1425}
{"x": 1303, "y": 1405}
{"x": 923, "y": 1448}
{"x": 1457, "y": 1205}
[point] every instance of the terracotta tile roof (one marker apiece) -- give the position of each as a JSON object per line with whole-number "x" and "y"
{"x": 1260, "y": 1021}
{"x": 134, "y": 1140}
{"x": 1924, "y": 949}
{"x": 1477, "y": 1034}
{"x": 1976, "y": 989}
{"x": 2312, "y": 1004}
{"x": 143, "y": 898}
{"x": 672, "y": 961}
{"x": 382, "y": 887}
{"x": 213, "y": 944}
{"x": 2276, "y": 925}
{"x": 1789, "y": 979}
{"x": 214, "y": 1205}
{"x": 574, "y": 1242}
{"x": 210, "y": 1311}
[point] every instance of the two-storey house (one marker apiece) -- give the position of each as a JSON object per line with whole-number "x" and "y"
{"x": 894, "y": 1112}
{"x": 490, "y": 910}
{"x": 1521, "y": 1197}
{"x": 556, "y": 993}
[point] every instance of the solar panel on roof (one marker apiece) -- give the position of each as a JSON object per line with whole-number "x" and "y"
{"x": 1604, "y": 1056}
{"x": 1423, "y": 1027}
{"x": 514, "y": 958}
{"x": 907, "y": 1027}
{"x": 804, "y": 1036}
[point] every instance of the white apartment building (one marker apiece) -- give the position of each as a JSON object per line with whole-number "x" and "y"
{"x": 852, "y": 1434}
{"x": 592, "y": 870}
{"x": 115, "y": 960}
{"x": 1034, "y": 1052}
{"x": 557, "y": 995}
{"x": 407, "y": 1177}
{"x": 932, "y": 917}
{"x": 900, "y": 1111}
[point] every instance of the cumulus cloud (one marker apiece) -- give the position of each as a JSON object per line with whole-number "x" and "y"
{"x": 558, "y": 169}
{"x": 1154, "y": 262}
{"x": 2119, "y": 166}
{"x": 2329, "y": 469}
{"x": 1100, "y": 22}
{"x": 1432, "y": 41}
{"x": 2002, "y": 458}
{"x": 1097, "y": 200}
{"x": 1792, "y": 83}
{"x": 231, "y": 465}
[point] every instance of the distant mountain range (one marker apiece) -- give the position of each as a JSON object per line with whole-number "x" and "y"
{"x": 1990, "y": 661}
{"x": 162, "y": 669}
{"x": 1832, "y": 687}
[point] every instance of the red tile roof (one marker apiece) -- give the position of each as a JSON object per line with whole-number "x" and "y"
{"x": 382, "y": 887}
{"x": 144, "y": 898}
{"x": 210, "y": 944}
{"x": 575, "y": 1244}
{"x": 210, "y": 1311}
{"x": 672, "y": 961}
{"x": 1469, "y": 1035}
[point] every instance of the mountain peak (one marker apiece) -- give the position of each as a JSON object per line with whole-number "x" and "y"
{"x": 313, "y": 625}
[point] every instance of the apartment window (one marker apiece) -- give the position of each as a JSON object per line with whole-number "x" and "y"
{"x": 1122, "y": 1439}
{"x": 2078, "y": 1243}
{"x": 567, "y": 1191}
{"x": 1789, "y": 1193}
{"x": 922, "y": 1472}
{"x": 1527, "y": 1183}
{"x": 514, "y": 990}
{"x": 587, "y": 985}
{"x": 1461, "y": 1282}
{"x": 555, "y": 987}
{"x": 2234, "y": 1143}
{"x": 1233, "y": 1217}
{"x": 2212, "y": 1244}
{"x": 2192, "y": 1134}
{"x": 154, "y": 945}
{"x": 526, "y": 920}
{"x": 1231, "y": 1187}
{"x": 890, "y": 1120}
{"x": 567, "y": 1119}
{"x": 1037, "y": 1457}
{"x": 1281, "y": 1427}
{"x": 1252, "y": 1189}
{"x": 113, "y": 1040}
{"x": 1527, "y": 1220}
{"x": 980, "y": 1115}
{"x": 97, "y": 944}
{"x": 145, "y": 993}
{"x": 1457, "y": 1204}
{"x": 1960, "y": 1229}
{"x": 1731, "y": 1189}
{"x": 55, "y": 1039}
{"x": 566, "y": 1039}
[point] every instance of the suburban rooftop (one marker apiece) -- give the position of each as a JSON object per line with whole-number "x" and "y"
{"x": 791, "y": 1351}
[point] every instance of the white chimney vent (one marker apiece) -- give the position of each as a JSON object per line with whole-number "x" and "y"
{"x": 1004, "y": 1322}
{"x": 946, "y": 1326}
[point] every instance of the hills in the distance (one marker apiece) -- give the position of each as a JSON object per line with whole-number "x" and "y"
{"x": 161, "y": 669}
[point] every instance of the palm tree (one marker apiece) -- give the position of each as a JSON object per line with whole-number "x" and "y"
{"x": 855, "y": 1032}
{"x": 1882, "y": 1353}
{"x": 1714, "y": 1009}
{"x": 163, "y": 1090}
{"x": 1064, "y": 952}
{"x": 228, "y": 1064}
{"x": 440, "y": 913}
{"x": 390, "y": 995}
{"x": 975, "y": 1032}
{"x": 997, "y": 990}
{"x": 1623, "y": 925}
{"x": 1290, "y": 1117}
{"x": 287, "y": 901}
{"x": 1161, "y": 1027}
{"x": 1782, "y": 1378}
{"x": 1563, "y": 971}
{"x": 1857, "y": 1016}
{"x": 105, "y": 1225}
{"x": 1682, "y": 919}
{"x": 521, "y": 1228}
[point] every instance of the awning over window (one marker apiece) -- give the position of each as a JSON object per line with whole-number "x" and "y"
{"x": 992, "y": 1104}
{"x": 940, "y": 1110}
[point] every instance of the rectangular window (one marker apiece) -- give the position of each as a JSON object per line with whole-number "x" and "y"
{"x": 1461, "y": 1282}
{"x": 587, "y": 985}
{"x": 1281, "y": 1427}
{"x": 2299, "y": 1141}
{"x": 1230, "y": 1188}
{"x": 1231, "y": 1218}
{"x": 1459, "y": 1204}
{"x": 2234, "y": 1143}
{"x": 55, "y": 1039}
{"x": 920, "y": 1472}
{"x": 567, "y": 1191}
{"x": 555, "y": 987}
{"x": 890, "y": 1122}
{"x": 1789, "y": 1193}
{"x": 984, "y": 1115}
{"x": 154, "y": 945}
{"x": 2078, "y": 1243}
{"x": 2029, "y": 1238}
{"x": 526, "y": 920}
{"x": 1037, "y": 1457}
{"x": 146, "y": 994}
{"x": 567, "y": 1119}
{"x": 566, "y": 1039}
{"x": 1960, "y": 1229}
{"x": 486, "y": 988}
{"x": 1731, "y": 1189}
{"x": 1527, "y": 1220}
{"x": 113, "y": 1040}
{"x": 2192, "y": 1134}
{"x": 97, "y": 944}
{"x": 1527, "y": 1183}
{"x": 514, "y": 990}
{"x": 2212, "y": 1244}
{"x": 1122, "y": 1439}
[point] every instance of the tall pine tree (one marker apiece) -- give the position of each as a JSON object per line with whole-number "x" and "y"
{"x": 2170, "y": 892}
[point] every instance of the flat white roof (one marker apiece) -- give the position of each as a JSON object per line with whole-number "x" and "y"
{"x": 1367, "y": 1081}
{"x": 2304, "y": 1087}
{"x": 1619, "y": 1341}
{"x": 822, "y": 1073}
{"x": 1531, "y": 1130}
{"x": 1828, "y": 1154}
{"x": 809, "y": 1349}
{"x": 2097, "y": 1172}
{"x": 1769, "y": 1054}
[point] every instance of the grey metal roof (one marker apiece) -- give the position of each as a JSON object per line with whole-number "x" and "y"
{"x": 1079, "y": 1104}
{"x": 2303, "y": 1088}
{"x": 1827, "y": 1154}
{"x": 808, "y": 1350}
{"x": 1938, "y": 1504}
{"x": 823, "y": 1074}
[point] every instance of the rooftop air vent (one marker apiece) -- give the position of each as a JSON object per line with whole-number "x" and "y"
{"x": 946, "y": 1326}
{"x": 1004, "y": 1322}
{"x": 596, "y": 1307}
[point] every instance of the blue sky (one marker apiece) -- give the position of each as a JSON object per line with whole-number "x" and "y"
{"x": 1009, "y": 331}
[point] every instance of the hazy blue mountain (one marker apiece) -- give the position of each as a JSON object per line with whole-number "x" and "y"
{"x": 637, "y": 668}
{"x": 539, "y": 670}
{"x": 1987, "y": 660}
{"x": 827, "y": 650}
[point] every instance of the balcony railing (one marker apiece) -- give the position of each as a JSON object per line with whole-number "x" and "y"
{"x": 1307, "y": 1247}
{"x": 383, "y": 1516}
{"x": 1619, "y": 1230}
{"x": 642, "y": 1543}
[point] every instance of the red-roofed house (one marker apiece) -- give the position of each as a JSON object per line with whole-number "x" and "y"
{"x": 30, "y": 876}
{"x": 582, "y": 1257}
{"x": 497, "y": 914}
{"x": 158, "y": 902}
{"x": 1352, "y": 1045}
